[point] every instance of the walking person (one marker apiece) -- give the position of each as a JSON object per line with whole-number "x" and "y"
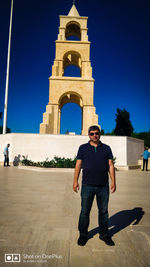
{"x": 6, "y": 155}
{"x": 145, "y": 155}
{"x": 96, "y": 159}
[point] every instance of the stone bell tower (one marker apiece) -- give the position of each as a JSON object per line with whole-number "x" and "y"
{"x": 64, "y": 89}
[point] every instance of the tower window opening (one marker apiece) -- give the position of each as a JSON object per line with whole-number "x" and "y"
{"x": 72, "y": 66}
{"x": 72, "y": 71}
{"x": 73, "y": 38}
{"x": 73, "y": 32}
{"x": 71, "y": 119}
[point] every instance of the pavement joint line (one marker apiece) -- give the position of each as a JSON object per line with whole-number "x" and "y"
{"x": 147, "y": 225}
{"x": 145, "y": 235}
{"x": 101, "y": 250}
{"x": 28, "y": 168}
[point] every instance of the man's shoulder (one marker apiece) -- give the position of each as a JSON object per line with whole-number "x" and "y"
{"x": 106, "y": 146}
{"x": 84, "y": 146}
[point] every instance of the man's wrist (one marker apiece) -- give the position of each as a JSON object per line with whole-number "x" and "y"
{"x": 113, "y": 181}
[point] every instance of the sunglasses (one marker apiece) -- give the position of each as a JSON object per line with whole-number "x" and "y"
{"x": 97, "y": 133}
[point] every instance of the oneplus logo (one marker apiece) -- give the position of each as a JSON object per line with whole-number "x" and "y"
{"x": 12, "y": 257}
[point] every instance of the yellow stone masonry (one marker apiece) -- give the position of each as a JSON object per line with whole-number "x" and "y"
{"x": 63, "y": 90}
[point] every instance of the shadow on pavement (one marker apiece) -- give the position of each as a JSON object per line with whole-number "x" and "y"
{"x": 121, "y": 220}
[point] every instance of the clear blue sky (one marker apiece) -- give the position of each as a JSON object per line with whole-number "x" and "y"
{"x": 119, "y": 32}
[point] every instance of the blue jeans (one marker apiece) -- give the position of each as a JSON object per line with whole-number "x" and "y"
{"x": 6, "y": 160}
{"x": 102, "y": 197}
{"x": 145, "y": 161}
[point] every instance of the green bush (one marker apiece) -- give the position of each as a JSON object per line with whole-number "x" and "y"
{"x": 57, "y": 162}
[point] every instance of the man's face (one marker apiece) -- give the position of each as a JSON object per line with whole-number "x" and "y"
{"x": 94, "y": 135}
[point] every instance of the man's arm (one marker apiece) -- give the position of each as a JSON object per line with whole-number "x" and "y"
{"x": 76, "y": 175}
{"x": 112, "y": 176}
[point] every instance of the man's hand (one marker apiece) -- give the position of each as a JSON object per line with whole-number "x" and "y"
{"x": 76, "y": 187}
{"x": 76, "y": 175}
{"x": 113, "y": 187}
{"x": 112, "y": 176}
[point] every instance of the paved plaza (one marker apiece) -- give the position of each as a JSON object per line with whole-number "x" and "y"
{"x": 39, "y": 217}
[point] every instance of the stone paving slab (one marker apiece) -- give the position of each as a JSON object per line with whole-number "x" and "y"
{"x": 39, "y": 218}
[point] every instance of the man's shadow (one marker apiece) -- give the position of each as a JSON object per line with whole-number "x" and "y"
{"x": 121, "y": 220}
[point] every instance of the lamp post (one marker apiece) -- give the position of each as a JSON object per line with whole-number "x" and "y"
{"x": 7, "y": 73}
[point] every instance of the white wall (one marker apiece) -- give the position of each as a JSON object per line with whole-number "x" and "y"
{"x": 38, "y": 147}
{"x": 135, "y": 148}
{"x": 118, "y": 146}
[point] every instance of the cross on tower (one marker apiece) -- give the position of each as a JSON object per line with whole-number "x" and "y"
{"x": 73, "y": 2}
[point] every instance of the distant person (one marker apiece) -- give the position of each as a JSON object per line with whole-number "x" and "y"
{"x": 145, "y": 155}
{"x": 6, "y": 155}
{"x": 96, "y": 159}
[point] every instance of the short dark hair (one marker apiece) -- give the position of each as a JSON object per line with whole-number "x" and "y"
{"x": 94, "y": 128}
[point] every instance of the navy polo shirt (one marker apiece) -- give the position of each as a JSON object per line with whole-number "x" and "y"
{"x": 95, "y": 163}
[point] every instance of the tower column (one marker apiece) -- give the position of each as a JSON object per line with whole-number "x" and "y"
{"x": 89, "y": 118}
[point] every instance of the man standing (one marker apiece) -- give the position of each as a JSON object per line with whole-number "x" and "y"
{"x": 145, "y": 155}
{"x": 6, "y": 155}
{"x": 96, "y": 159}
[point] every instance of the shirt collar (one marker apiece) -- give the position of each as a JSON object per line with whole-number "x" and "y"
{"x": 99, "y": 144}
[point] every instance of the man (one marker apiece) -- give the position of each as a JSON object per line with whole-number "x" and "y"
{"x": 6, "y": 155}
{"x": 145, "y": 155}
{"x": 96, "y": 159}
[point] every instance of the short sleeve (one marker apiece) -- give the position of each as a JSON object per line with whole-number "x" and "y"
{"x": 80, "y": 153}
{"x": 110, "y": 154}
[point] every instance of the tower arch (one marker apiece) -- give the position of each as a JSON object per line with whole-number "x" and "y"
{"x": 72, "y": 58}
{"x": 73, "y": 29}
{"x": 71, "y": 119}
{"x": 70, "y": 97}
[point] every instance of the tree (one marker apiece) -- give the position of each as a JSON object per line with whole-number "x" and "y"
{"x": 123, "y": 123}
{"x": 8, "y": 130}
{"x": 108, "y": 133}
{"x": 144, "y": 136}
{"x": 102, "y": 132}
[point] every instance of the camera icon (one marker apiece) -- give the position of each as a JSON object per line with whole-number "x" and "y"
{"x": 12, "y": 257}
{"x": 8, "y": 257}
